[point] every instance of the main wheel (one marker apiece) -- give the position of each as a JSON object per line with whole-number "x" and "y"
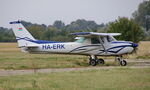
{"x": 100, "y": 61}
{"x": 93, "y": 62}
{"x": 123, "y": 63}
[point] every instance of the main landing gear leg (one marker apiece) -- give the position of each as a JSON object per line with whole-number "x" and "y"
{"x": 121, "y": 61}
{"x": 94, "y": 61}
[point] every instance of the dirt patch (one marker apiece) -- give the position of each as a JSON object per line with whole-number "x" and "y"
{"x": 137, "y": 64}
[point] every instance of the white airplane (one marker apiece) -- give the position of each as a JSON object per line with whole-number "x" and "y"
{"x": 88, "y": 43}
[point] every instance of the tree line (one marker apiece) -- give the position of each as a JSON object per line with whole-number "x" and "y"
{"x": 135, "y": 29}
{"x": 58, "y": 31}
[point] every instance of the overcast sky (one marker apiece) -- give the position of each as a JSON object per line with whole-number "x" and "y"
{"x": 47, "y": 11}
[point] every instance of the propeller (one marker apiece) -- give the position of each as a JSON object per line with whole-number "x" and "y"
{"x": 135, "y": 48}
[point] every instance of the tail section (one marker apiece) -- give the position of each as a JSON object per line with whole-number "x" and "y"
{"x": 22, "y": 35}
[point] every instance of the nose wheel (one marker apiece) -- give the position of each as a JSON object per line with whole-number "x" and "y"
{"x": 121, "y": 61}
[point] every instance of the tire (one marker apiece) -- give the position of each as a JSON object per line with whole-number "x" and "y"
{"x": 93, "y": 62}
{"x": 100, "y": 62}
{"x": 123, "y": 63}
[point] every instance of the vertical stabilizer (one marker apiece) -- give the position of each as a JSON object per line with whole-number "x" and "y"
{"x": 22, "y": 35}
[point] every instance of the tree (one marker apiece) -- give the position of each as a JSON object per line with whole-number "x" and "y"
{"x": 49, "y": 33}
{"x": 36, "y": 31}
{"x": 6, "y": 35}
{"x": 142, "y": 15}
{"x": 128, "y": 28}
{"x": 58, "y": 31}
{"x": 59, "y": 24}
{"x": 82, "y": 24}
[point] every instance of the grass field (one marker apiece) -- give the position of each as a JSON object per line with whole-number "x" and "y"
{"x": 143, "y": 51}
{"x": 103, "y": 79}
{"x": 12, "y": 58}
{"x": 122, "y": 78}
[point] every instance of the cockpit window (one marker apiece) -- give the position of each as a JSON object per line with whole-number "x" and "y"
{"x": 109, "y": 39}
{"x": 95, "y": 40}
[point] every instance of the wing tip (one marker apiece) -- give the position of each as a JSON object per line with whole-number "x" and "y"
{"x": 81, "y": 33}
{"x": 15, "y": 22}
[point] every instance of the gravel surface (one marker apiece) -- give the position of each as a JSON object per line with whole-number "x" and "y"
{"x": 139, "y": 64}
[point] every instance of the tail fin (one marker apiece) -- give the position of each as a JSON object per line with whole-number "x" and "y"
{"x": 22, "y": 35}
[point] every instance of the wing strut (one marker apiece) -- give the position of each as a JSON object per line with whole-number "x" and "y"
{"x": 102, "y": 44}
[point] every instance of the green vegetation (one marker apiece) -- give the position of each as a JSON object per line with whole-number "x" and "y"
{"x": 128, "y": 28}
{"x": 143, "y": 57}
{"x": 142, "y": 17}
{"x": 6, "y": 35}
{"x": 58, "y": 31}
{"x": 103, "y": 79}
{"x": 19, "y": 60}
{"x": 12, "y": 58}
{"x": 142, "y": 14}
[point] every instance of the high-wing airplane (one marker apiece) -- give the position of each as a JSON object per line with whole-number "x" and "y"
{"x": 91, "y": 44}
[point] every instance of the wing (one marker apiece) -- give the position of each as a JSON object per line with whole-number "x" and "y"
{"x": 88, "y": 34}
{"x": 94, "y": 34}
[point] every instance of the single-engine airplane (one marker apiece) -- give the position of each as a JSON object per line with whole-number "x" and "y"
{"x": 88, "y": 43}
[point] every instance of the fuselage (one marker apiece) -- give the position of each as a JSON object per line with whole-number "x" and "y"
{"x": 111, "y": 48}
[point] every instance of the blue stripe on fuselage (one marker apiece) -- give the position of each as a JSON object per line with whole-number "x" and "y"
{"x": 121, "y": 47}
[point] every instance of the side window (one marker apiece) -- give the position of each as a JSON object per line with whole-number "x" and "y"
{"x": 95, "y": 41}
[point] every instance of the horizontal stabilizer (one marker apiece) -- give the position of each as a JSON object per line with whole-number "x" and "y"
{"x": 32, "y": 46}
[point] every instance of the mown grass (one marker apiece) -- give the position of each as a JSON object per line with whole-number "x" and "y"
{"x": 143, "y": 51}
{"x": 12, "y": 58}
{"x": 27, "y": 61}
{"x": 103, "y": 79}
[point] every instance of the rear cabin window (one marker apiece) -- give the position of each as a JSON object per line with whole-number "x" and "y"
{"x": 81, "y": 40}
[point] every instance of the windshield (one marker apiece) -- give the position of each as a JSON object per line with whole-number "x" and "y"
{"x": 110, "y": 39}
